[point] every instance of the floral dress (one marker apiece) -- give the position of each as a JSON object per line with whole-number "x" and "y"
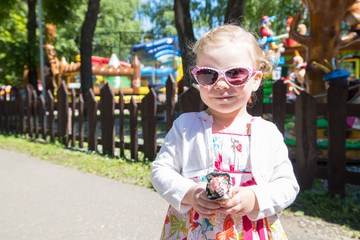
{"x": 232, "y": 156}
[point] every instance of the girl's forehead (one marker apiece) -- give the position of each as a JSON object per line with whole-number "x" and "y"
{"x": 225, "y": 56}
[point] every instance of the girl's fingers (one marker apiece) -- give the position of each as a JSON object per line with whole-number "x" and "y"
{"x": 207, "y": 203}
{"x": 205, "y": 212}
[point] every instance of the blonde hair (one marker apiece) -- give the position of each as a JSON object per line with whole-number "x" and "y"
{"x": 235, "y": 35}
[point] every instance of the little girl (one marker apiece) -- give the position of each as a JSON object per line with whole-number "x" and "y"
{"x": 225, "y": 138}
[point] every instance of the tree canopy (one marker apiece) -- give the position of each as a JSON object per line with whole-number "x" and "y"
{"x": 116, "y": 31}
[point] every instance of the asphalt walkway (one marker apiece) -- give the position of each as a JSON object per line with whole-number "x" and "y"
{"x": 40, "y": 200}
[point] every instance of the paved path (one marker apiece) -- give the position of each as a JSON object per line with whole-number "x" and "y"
{"x": 40, "y": 200}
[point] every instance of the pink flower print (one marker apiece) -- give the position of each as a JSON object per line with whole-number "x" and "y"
{"x": 239, "y": 147}
{"x": 232, "y": 167}
{"x": 218, "y": 162}
{"x": 249, "y": 183}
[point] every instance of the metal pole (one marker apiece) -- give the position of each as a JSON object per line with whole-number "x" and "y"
{"x": 41, "y": 49}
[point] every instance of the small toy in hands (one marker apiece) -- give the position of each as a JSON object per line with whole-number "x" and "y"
{"x": 219, "y": 186}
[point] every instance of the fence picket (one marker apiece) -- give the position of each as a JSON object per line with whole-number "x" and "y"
{"x": 6, "y": 115}
{"x": 306, "y": 147}
{"x": 35, "y": 113}
{"x": 279, "y": 105}
{"x": 256, "y": 107}
{"x": 73, "y": 117}
{"x": 20, "y": 111}
{"x": 149, "y": 126}
{"x": 29, "y": 109}
{"x": 107, "y": 118}
{"x": 42, "y": 115}
{"x": 81, "y": 121}
{"x": 50, "y": 104}
{"x": 121, "y": 106}
{"x": 134, "y": 144}
{"x": 190, "y": 100}
{"x": 63, "y": 113}
{"x": 91, "y": 108}
{"x": 337, "y": 99}
{"x": 170, "y": 101}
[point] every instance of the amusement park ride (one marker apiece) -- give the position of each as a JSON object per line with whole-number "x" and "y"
{"x": 152, "y": 62}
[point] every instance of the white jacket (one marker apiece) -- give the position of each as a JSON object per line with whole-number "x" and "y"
{"x": 188, "y": 152}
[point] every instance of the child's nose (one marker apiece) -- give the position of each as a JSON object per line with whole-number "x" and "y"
{"x": 222, "y": 83}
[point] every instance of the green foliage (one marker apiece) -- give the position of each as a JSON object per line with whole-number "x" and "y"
{"x": 116, "y": 30}
{"x": 162, "y": 16}
{"x": 13, "y": 45}
{"x": 114, "y": 17}
{"x": 281, "y": 9}
{"x": 318, "y": 203}
{"x": 59, "y": 11}
{"x": 207, "y": 14}
{"x": 210, "y": 13}
{"x": 5, "y": 7}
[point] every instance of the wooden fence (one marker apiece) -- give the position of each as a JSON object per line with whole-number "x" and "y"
{"x": 65, "y": 120}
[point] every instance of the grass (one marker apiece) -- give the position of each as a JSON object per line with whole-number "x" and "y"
{"x": 316, "y": 203}
{"x": 319, "y": 204}
{"x": 121, "y": 169}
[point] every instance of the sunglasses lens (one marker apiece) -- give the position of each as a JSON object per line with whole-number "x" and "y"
{"x": 237, "y": 76}
{"x": 206, "y": 76}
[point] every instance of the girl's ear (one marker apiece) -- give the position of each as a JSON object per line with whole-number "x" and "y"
{"x": 257, "y": 80}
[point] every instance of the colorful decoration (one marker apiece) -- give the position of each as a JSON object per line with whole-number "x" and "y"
{"x": 267, "y": 37}
{"x": 352, "y": 18}
{"x": 218, "y": 186}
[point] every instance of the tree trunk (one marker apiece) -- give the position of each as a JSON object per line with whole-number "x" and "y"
{"x": 186, "y": 36}
{"x": 31, "y": 29}
{"x": 87, "y": 34}
{"x": 323, "y": 43}
{"x": 235, "y": 11}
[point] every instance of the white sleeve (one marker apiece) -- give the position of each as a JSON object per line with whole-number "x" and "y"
{"x": 166, "y": 170}
{"x": 281, "y": 188}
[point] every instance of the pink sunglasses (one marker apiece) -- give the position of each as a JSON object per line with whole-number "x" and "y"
{"x": 235, "y": 76}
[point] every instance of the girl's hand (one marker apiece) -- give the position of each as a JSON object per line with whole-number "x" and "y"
{"x": 242, "y": 203}
{"x": 196, "y": 197}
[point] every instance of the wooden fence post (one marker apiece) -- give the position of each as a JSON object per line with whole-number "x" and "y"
{"x": 306, "y": 147}
{"x": 50, "y": 104}
{"x": 6, "y": 115}
{"x": 13, "y": 114}
{"x": 190, "y": 100}
{"x": 337, "y": 109}
{"x": 42, "y": 114}
{"x": 170, "y": 101}
{"x": 73, "y": 117}
{"x": 279, "y": 104}
{"x": 121, "y": 107}
{"x": 256, "y": 107}
{"x": 91, "y": 108}
{"x": 1, "y": 113}
{"x": 29, "y": 110}
{"x": 36, "y": 114}
{"x": 107, "y": 108}
{"x": 63, "y": 113}
{"x": 134, "y": 144}
{"x": 20, "y": 112}
{"x": 81, "y": 121}
{"x": 149, "y": 124}
{"x": 10, "y": 116}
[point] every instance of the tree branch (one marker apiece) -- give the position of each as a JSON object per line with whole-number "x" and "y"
{"x": 295, "y": 35}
